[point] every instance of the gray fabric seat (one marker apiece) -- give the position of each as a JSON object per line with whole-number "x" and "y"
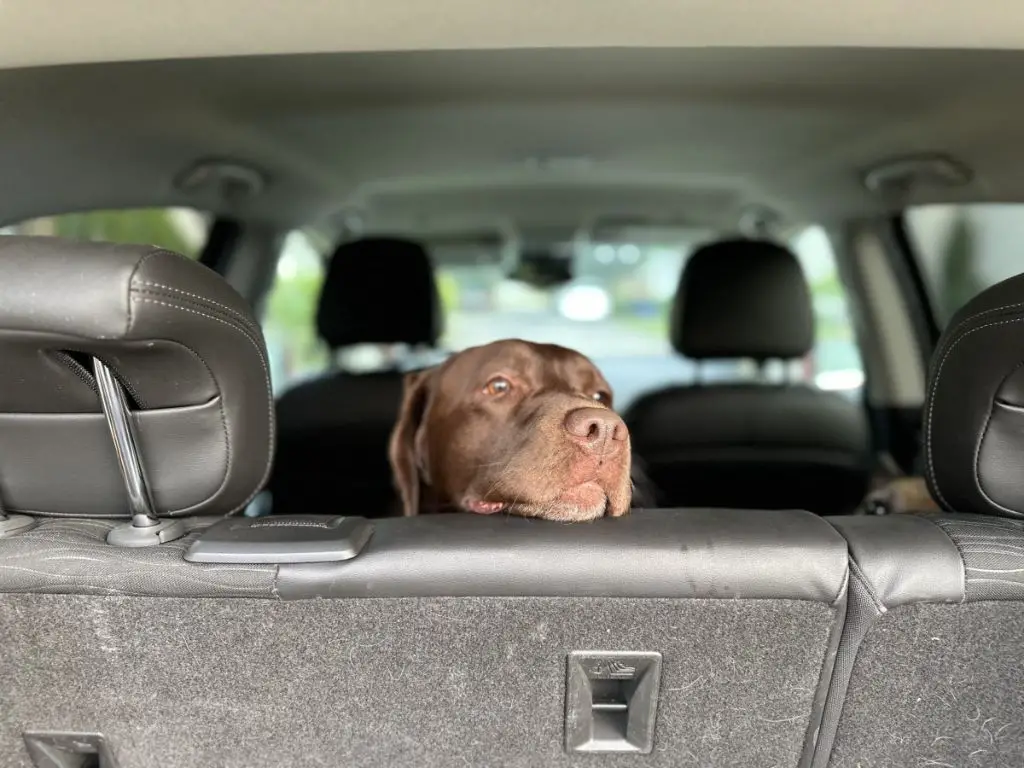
{"x": 333, "y": 430}
{"x": 444, "y": 641}
{"x": 929, "y": 667}
{"x": 755, "y": 446}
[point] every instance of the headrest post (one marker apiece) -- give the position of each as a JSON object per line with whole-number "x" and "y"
{"x": 145, "y": 528}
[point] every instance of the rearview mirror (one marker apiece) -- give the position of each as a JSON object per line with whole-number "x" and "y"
{"x": 542, "y": 269}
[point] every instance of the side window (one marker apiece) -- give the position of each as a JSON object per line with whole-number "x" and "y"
{"x": 963, "y": 249}
{"x": 289, "y": 313}
{"x": 182, "y": 230}
{"x": 835, "y": 363}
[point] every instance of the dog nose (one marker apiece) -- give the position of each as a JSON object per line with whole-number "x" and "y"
{"x": 596, "y": 427}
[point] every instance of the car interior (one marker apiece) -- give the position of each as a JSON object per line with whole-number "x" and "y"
{"x": 788, "y": 237}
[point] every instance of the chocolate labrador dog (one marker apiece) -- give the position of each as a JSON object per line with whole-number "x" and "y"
{"x": 512, "y": 427}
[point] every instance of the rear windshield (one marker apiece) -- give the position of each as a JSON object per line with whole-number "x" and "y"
{"x": 615, "y": 311}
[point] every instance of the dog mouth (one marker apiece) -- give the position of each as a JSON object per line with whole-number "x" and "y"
{"x": 480, "y": 507}
{"x": 586, "y": 501}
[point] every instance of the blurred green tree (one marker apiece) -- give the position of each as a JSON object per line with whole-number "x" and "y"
{"x": 147, "y": 226}
{"x": 959, "y": 282}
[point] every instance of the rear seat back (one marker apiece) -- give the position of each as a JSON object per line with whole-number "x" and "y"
{"x": 440, "y": 640}
{"x": 929, "y": 668}
{"x": 445, "y": 641}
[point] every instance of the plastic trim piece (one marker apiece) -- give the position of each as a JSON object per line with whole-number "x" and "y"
{"x": 611, "y": 701}
{"x": 285, "y": 539}
{"x": 68, "y": 750}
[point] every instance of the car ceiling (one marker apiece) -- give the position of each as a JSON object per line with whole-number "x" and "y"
{"x": 38, "y": 32}
{"x": 425, "y": 141}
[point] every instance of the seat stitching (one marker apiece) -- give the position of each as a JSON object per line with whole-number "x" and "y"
{"x": 868, "y": 586}
{"x": 131, "y": 280}
{"x": 941, "y": 524}
{"x": 984, "y": 312}
{"x": 931, "y": 409}
{"x": 266, "y": 376}
{"x": 196, "y": 296}
{"x": 252, "y": 331}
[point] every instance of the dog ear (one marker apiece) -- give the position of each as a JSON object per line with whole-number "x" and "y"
{"x": 402, "y": 450}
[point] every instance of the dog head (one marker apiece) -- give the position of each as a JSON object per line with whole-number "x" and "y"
{"x": 512, "y": 427}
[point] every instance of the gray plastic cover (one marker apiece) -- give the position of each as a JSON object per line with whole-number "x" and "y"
{"x": 293, "y": 539}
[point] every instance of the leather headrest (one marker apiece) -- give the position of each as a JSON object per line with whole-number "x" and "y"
{"x": 974, "y": 413}
{"x": 183, "y": 345}
{"x": 379, "y": 290}
{"x": 742, "y": 298}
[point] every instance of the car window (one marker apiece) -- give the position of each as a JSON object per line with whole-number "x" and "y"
{"x": 182, "y": 230}
{"x": 964, "y": 249}
{"x": 289, "y": 313}
{"x": 835, "y": 363}
{"x": 615, "y": 311}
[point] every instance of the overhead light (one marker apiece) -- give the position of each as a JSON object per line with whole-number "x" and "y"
{"x": 905, "y": 173}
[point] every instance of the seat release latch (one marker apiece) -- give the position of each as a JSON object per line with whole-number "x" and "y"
{"x": 611, "y": 701}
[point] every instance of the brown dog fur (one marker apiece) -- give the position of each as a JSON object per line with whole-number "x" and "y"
{"x": 512, "y": 427}
{"x": 905, "y": 496}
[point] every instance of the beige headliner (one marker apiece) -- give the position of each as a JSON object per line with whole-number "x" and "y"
{"x": 34, "y": 32}
{"x": 424, "y": 141}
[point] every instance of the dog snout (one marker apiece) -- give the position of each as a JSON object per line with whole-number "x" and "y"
{"x": 596, "y": 429}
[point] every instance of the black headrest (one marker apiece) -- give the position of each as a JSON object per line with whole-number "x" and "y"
{"x": 974, "y": 413}
{"x": 179, "y": 340}
{"x": 742, "y": 298}
{"x": 379, "y": 290}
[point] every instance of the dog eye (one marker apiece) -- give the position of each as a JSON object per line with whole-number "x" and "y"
{"x": 602, "y": 397}
{"x": 499, "y": 385}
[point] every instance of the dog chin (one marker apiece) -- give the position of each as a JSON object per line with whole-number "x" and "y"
{"x": 580, "y": 503}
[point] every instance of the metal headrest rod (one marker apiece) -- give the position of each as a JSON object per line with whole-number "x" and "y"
{"x": 12, "y": 524}
{"x": 145, "y": 528}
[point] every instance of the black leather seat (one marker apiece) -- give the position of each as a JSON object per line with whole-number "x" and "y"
{"x": 928, "y": 670}
{"x": 184, "y": 344}
{"x": 755, "y": 446}
{"x": 333, "y": 431}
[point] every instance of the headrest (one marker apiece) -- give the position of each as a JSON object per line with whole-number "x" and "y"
{"x": 181, "y": 344}
{"x": 379, "y": 290}
{"x": 742, "y": 298}
{"x": 974, "y": 412}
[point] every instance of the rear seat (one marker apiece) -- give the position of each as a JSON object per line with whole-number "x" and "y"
{"x": 929, "y": 668}
{"x": 334, "y": 429}
{"x": 442, "y": 640}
